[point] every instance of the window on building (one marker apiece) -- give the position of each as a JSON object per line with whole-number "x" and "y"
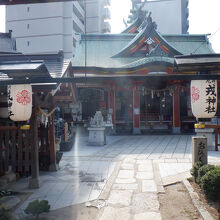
{"x": 28, "y": 9}
{"x": 28, "y": 43}
{"x": 28, "y": 26}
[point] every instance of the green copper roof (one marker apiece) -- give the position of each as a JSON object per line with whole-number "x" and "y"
{"x": 147, "y": 60}
{"x": 101, "y": 47}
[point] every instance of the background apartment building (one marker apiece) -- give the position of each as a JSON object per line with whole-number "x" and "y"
{"x": 50, "y": 27}
{"x": 171, "y": 16}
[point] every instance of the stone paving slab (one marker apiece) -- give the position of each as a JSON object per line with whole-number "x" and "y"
{"x": 149, "y": 186}
{"x": 145, "y": 167}
{"x": 125, "y": 186}
{"x": 111, "y": 213}
{"x": 131, "y": 180}
{"x": 143, "y": 202}
{"x": 126, "y": 174}
{"x": 148, "y": 216}
{"x": 120, "y": 197}
{"x": 127, "y": 166}
{"x": 145, "y": 175}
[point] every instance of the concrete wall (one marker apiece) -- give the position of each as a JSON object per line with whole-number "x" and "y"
{"x": 96, "y": 13}
{"x": 35, "y": 11}
{"x": 24, "y": 28}
{"x": 41, "y": 44}
{"x": 50, "y": 27}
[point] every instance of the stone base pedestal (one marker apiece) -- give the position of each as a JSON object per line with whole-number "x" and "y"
{"x": 97, "y": 136}
{"x": 34, "y": 183}
{"x": 208, "y": 133}
{"x": 136, "y": 131}
{"x": 53, "y": 167}
{"x": 176, "y": 130}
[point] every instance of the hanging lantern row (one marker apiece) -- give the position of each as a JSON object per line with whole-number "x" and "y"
{"x": 157, "y": 93}
{"x": 162, "y": 92}
{"x": 204, "y": 98}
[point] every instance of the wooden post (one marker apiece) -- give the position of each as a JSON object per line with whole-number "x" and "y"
{"x": 216, "y": 139}
{"x": 53, "y": 165}
{"x": 176, "y": 111}
{"x": 136, "y": 111}
{"x": 1, "y": 155}
{"x": 34, "y": 181}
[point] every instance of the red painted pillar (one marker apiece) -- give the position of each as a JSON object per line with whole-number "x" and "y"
{"x": 176, "y": 110}
{"x": 136, "y": 111}
{"x": 112, "y": 104}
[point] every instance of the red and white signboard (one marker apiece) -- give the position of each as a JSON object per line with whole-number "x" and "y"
{"x": 204, "y": 98}
{"x": 20, "y": 102}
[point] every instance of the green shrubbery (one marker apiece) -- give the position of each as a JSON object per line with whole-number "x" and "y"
{"x": 203, "y": 170}
{"x": 195, "y": 169}
{"x": 210, "y": 184}
{"x": 36, "y": 207}
{"x": 208, "y": 177}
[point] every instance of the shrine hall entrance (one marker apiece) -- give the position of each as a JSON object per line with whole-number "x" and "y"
{"x": 93, "y": 99}
{"x": 156, "y": 106}
{"x": 156, "y": 110}
{"x": 124, "y": 111}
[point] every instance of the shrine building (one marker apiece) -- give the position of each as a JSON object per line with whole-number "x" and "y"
{"x": 128, "y": 75}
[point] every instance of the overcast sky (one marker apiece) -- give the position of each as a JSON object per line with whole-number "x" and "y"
{"x": 204, "y": 18}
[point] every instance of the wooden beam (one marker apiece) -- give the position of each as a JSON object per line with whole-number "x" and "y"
{"x": 63, "y": 98}
{"x": 113, "y": 78}
{"x": 6, "y": 128}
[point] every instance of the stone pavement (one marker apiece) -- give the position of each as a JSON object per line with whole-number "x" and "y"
{"x": 136, "y": 166}
{"x": 133, "y": 193}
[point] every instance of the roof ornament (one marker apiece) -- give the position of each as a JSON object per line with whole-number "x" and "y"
{"x": 147, "y": 21}
{"x": 136, "y": 12}
{"x": 125, "y": 23}
{"x": 138, "y": 18}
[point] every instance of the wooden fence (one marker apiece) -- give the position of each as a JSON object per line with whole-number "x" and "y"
{"x": 15, "y": 150}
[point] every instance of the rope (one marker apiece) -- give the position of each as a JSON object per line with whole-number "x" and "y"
{"x": 46, "y": 114}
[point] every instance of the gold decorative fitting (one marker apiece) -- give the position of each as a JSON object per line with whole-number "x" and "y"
{"x": 198, "y": 126}
{"x": 25, "y": 127}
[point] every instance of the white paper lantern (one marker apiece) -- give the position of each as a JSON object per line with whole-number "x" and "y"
{"x": 204, "y": 98}
{"x": 19, "y": 102}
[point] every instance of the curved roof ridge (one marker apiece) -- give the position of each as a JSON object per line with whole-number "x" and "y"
{"x": 146, "y": 60}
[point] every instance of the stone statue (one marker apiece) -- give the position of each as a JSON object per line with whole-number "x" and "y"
{"x": 97, "y": 120}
